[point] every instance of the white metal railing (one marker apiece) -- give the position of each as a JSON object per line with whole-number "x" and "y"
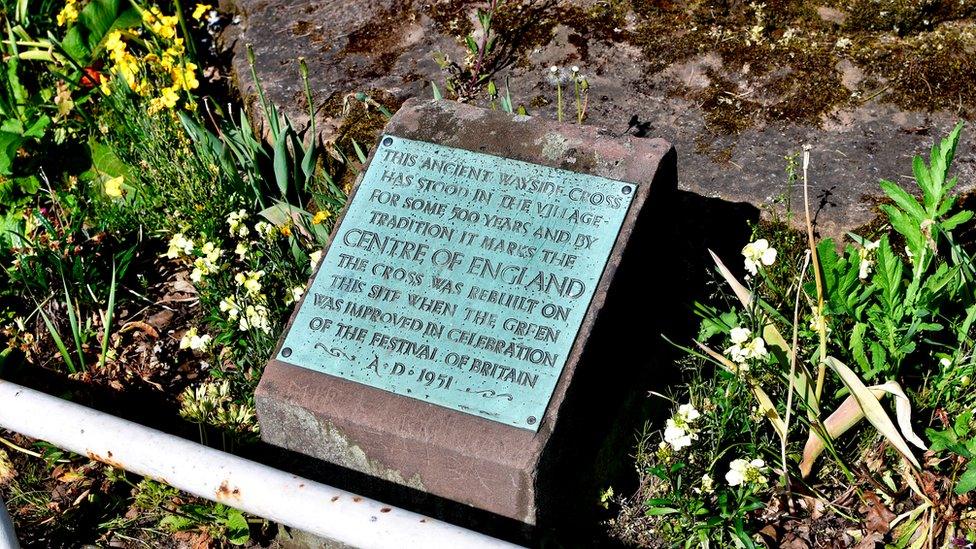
{"x": 208, "y": 473}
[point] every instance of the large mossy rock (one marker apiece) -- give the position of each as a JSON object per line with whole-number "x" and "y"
{"x": 736, "y": 87}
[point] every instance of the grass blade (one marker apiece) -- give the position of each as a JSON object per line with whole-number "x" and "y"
{"x": 107, "y": 319}
{"x": 58, "y": 342}
{"x": 73, "y": 321}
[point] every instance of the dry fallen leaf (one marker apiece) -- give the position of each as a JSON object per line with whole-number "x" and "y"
{"x": 7, "y": 471}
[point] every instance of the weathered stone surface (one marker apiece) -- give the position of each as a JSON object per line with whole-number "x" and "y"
{"x": 733, "y": 109}
{"x": 507, "y": 471}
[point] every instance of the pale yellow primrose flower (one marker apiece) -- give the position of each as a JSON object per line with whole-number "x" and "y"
{"x": 193, "y": 341}
{"x": 179, "y": 245}
{"x": 314, "y": 257}
{"x": 265, "y": 229}
{"x": 113, "y": 187}
{"x": 707, "y": 485}
{"x": 818, "y": 321}
{"x": 758, "y": 253}
{"x": 746, "y": 472}
{"x": 229, "y": 305}
{"x": 256, "y": 317}
{"x": 207, "y": 264}
{"x": 250, "y": 281}
{"x": 235, "y": 222}
{"x": 294, "y": 295}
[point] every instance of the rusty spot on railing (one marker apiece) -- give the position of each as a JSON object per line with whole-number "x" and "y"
{"x": 224, "y": 492}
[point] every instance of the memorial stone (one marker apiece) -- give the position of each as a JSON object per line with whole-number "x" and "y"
{"x": 441, "y": 330}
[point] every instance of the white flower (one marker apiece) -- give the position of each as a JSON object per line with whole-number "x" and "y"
{"x": 229, "y": 305}
{"x": 194, "y": 342}
{"x": 867, "y": 261}
{"x": 314, "y": 257}
{"x": 746, "y": 472}
{"x": 688, "y": 412}
{"x": 945, "y": 362}
{"x": 743, "y": 349}
{"x": 294, "y": 295}
{"x": 241, "y": 250}
{"x": 739, "y": 335}
{"x": 677, "y": 437}
{"x": 235, "y": 223}
{"x": 179, "y": 245}
{"x": 757, "y": 253}
{"x": 255, "y": 317}
{"x": 679, "y": 430}
{"x": 707, "y": 485}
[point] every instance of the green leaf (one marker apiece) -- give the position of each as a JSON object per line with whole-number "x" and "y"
{"x": 857, "y": 346}
{"x": 238, "y": 532}
{"x": 106, "y": 162}
{"x": 967, "y": 481}
{"x": 281, "y": 162}
{"x": 658, "y": 511}
{"x": 176, "y": 523}
{"x": 956, "y": 220}
{"x": 904, "y": 200}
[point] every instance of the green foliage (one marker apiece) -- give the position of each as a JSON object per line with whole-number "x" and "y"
{"x": 84, "y": 40}
{"x": 959, "y": 439}
{"x": 884, "y": 309}
{"x": 176, "y": 183}
{"x": 894, "y": 318}
{"x": 218, "y": 520}
{"x": 684, "y": 508}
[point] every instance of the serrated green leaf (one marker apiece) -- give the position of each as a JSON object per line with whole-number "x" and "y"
{"x": 904, "y": 200}
{"x": 956, "y": 220}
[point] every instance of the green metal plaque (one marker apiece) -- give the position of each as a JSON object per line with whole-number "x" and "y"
{"x": 459, "y": 278}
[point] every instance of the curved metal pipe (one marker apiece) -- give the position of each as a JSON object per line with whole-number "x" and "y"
{"x": 208, "y": 473}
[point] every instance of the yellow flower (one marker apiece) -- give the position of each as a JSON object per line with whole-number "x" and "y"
{"x": 106, "y": 84}
{"x": 286, "y": 230}
{"x": 185, "y": 77}
{"x": 200, "y": 10}
{"x": 167, "y": 100}
{"x": 68, "y": 14}
{"x": 320, "y": 217}
{"x": 113, "y": 187}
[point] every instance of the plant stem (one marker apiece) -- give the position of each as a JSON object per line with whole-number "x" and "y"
{"x": 559, "y": 100}
{"x": 821, "y": 328}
